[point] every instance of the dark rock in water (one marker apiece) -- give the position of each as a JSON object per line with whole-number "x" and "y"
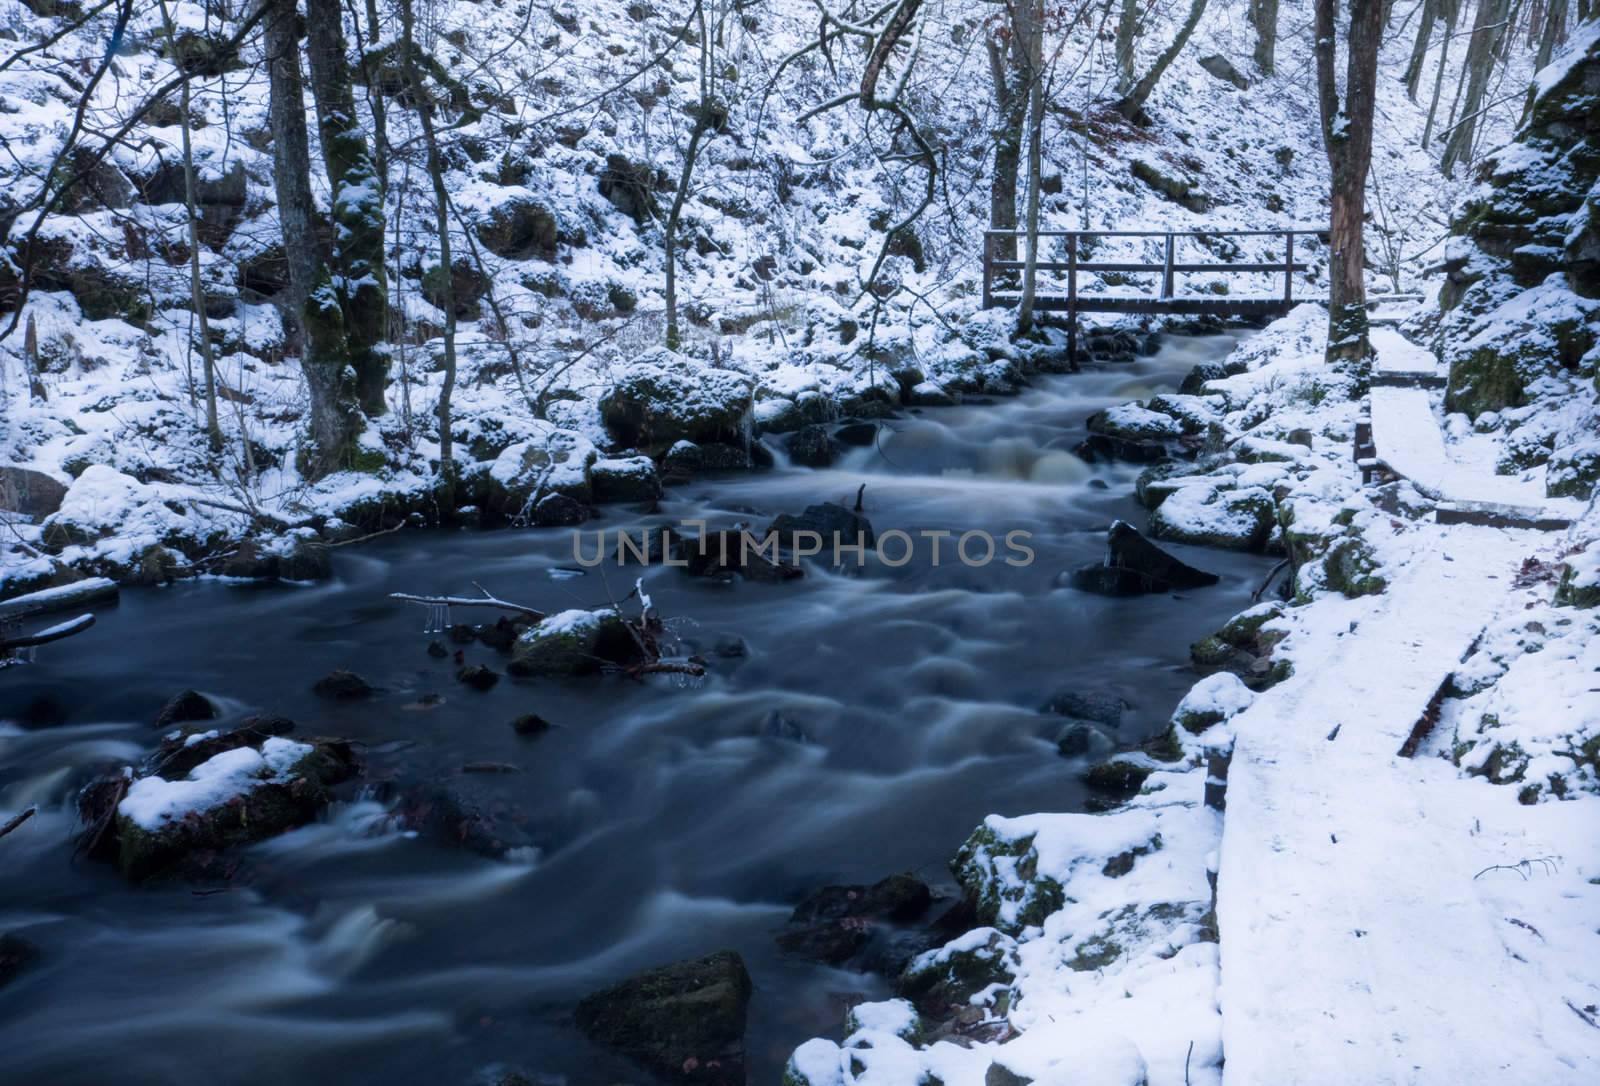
{"x": 778, "y": 726}
{"x": 684, "y": 1021}
{"x": 305, "y": 561}
{"x": 830, "y": 522}
{"x": 1099, "y": 484}
{"x": 184, "y": 707}
{"x": 440, "y": 812}
{"x": 733, "y": 551}
{"x": 837, "y": 923}
{"x": 30, "y": 493}
{"x": 437, "y": 650}
{"x": 1136, "y": 565}
{"x": 342, "y": 685}
{"x": 811, "y": 447}
{"x": 477, "y": 676}
{"x": 1194, "y": 382}
{"x": 1099, "y": 708}
{"x": 502, "y": 634}
{"x": 530, "y": 724}
{"x": 628, "y": 479}
{"x": 16, "y": 954}
{"x": 1076, "y": 741}
{"x": 287, "y": 796}
{"x": 463, "y": 633}
{"x": 559, "y": 510}
{"x": 575, "y": 643}
{"x": 857, "y": 434}
{"x": 687, "y": 458}
{"x": 730, "y": 647}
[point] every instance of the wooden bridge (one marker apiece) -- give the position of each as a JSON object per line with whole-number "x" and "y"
{"x": 1056, "y": 289}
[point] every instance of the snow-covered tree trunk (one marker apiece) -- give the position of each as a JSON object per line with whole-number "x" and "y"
{"x": 336, "y": 420}
{"x": 197, "y": 298}
{"x": 1011, "y": 109}
{"x": 1347, "y": 135}
{"x": 1450, "y": 9}
{"x": 1030, "y": 37}
{"x": 441, "y": 209}
{"x": 357, "y": 205}
{"x": 1487, "y": 30}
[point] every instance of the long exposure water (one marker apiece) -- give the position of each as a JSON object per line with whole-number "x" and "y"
{"x": 875, "y": 718}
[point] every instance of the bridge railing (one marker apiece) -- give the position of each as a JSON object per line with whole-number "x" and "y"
{"x": 1166, "y": 298}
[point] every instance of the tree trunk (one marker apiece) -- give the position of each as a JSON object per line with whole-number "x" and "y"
{"x": 357, "y": 200}
{"x": 1347, "y": 135}
{"x": 30, "y": 359}
{"x": 380, "y": 119}
{"x": 674, "y": 216}
{"x": 1127, "y": 44}
{"x": 1264, "y": 17}
{"x": 1030, "y": 35}
{"x": 441, "y": 207}
{"x": 1419, "y": 48}
{"x": 335, "y": 411}
{"x": 197, "y": 296}
{"x": 1486, "y": 31}
{"x": 1132, "y": 105}
{"x": 1011, "y": 107}
{"x": 1450, "y": 9}
{"x": 1553, "y": 30}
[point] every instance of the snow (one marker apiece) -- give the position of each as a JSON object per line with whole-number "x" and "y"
{"x": 1375, "y": 928}
{"x": 154, "y": 802}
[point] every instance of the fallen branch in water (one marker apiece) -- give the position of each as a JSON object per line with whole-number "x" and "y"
{"x": 17, "y": 821}
{"x": 486, "y": 600}
{"x": 44, "y": 637}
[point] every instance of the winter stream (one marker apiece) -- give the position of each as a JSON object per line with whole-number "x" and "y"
{"x": 872, "y": 722}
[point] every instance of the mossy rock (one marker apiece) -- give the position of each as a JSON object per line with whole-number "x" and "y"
{"x": 574, "y": 643}
{"x": 663, "y": 399}
{"x": 998, "y": 901}
{"x": 949, "y": 977}
{"x": 1118, "y": 779}
{"x": 519, "y": 228}
{"x": 1350, "y": 568}
{"x": 684, "y": 1021}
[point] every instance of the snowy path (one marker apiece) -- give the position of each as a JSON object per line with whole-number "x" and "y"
{"x": 1406, "y": 434}
{"x": 1356, "y": 946}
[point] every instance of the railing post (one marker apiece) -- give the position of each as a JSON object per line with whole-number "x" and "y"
{"x": 988, "y": 270}
{"x": 1166, "y": 272}
{"x": 1288, "y": 269}
{"x": 1072, "y": 300}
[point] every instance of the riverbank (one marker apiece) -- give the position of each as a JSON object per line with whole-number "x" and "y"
{"x": 1109, "y": 966}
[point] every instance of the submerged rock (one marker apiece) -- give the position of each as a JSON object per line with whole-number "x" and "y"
{"x": 16, "y": 954}
{"x": 829, "y": 521}
{"x": 342, "y": 685}
{"x": 837, "y": 923}
{"x": 684, "y": 1021}
{"x": 1094, "y": 706}
{"x": 477, "y": 676}
{"x": 811, "y": 447}
{"x": 184, "y": 707}
{"x": 1136, "y": 566}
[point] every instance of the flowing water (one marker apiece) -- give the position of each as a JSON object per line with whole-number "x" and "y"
{"x": 876, "y": 717}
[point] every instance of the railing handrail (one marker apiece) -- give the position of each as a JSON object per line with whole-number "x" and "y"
{"x": 1296, "y": 230}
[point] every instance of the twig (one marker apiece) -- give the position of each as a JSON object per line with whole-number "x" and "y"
{"x": 1551, "y": 865}
{"x": 17, "y": 821}
{"x": 486, "y": 600}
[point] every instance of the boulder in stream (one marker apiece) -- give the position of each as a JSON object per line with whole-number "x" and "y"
{"x": 837, "y": 923}
{"x": 684, "y": 1021}
{"x": 342, "y": 685}
{"x": 184, "y": 707}
{"x": 575, "y": 642}
{"x": 16, "y": 954}
{"x": 829, "y": 521}
{"x": 204, "y": 794}
{"x": 1136, "y": 566}
{"x": 663, "y": 398}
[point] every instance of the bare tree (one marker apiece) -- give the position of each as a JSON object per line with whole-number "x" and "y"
{"x": 197, "y": 297}
{"x": 1449, "y": 11}
{"x": 1551, "y": 34}
{"x": 708, "y": 116}
{"x": 441, "y": 208}
{"x": 1028, "y": 20}
{"x": 1007, "y": 71}
{"x": 336, "y": 420}
{"x": 1264, "y": 18}
{"x": 1132, "y": 104}
{"x": 1486, "y": 33}
{"x": 1419, "y": 47}
{"x": 1347, "y": 135}
{"x": 1129, "y": 25}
